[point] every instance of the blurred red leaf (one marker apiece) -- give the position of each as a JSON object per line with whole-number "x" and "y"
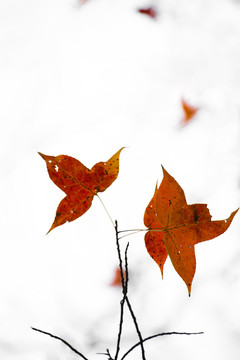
{"x": 149, "y": 12}
{"x": 117, "y": 279}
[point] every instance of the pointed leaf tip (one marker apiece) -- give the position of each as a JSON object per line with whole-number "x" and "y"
{"x": 164, "y": 170}
{"x": 40, "y": 154}
{"x": 44, "y": 157}
{"x": 49, "y": 230}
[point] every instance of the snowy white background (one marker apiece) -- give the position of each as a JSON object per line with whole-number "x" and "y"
{"x": 85, "y": 81}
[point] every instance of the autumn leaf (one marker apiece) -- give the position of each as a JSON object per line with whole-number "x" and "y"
{"x": 117, "y": 279}
{"x": 176, "y": 227}
{"x": 79, "y": 183}
{"x": 149, "y": 12}
{"x": 189, "y": 112}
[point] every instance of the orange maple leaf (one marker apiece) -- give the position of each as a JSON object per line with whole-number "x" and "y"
{"x": 79, "y": 183}
{"x": 175, "y": 227}
{"x": 189, "y": 112}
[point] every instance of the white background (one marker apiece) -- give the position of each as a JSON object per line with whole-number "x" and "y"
{"x": 85, "y": 80}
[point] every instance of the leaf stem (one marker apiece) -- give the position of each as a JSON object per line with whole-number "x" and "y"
{"x": 122, "y": 231}
{"x": 106, "y": 210}
{"x": 130, "y": 233}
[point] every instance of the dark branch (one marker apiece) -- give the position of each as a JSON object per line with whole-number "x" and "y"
{"x": 62, "y": 340}
{"x": 107, "y": 354}
{"x": 125, "y": 297}
{"x": 137, "y": 328}
{"x": 120, "y": 257}
{"x": 120, "y": 327}
{"x": 126, "y": 269}
{"x": 124, "y": 288}
{"x": 157, "y": 335}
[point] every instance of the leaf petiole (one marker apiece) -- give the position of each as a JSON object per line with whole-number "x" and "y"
{"x": 106, "y": 210}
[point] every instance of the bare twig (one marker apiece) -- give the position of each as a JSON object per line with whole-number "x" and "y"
{"x": 119, "y": 257}
{"x": 157, "y": 335}
{"x": 125, "y": 297}
{"x": 137, "y": 327}
{"x": 63, "y": 341}
{"x": 107, "y": 353}
{"x": 126, "y": 269}
{"x": 124, "y": 293}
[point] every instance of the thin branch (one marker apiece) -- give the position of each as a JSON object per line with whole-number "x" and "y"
{"x": 63, "y": 341}
{"x": 124, "y": 294}
{"x": 157, "y": 335}
{"x": 119, "y": 257}
{"x": 137, "y": 328}
{"x": 126, "y": 269}
{"x": 120, "y": 327}
{"x": 125, "y": 297}
{"x": 107, "y": 354}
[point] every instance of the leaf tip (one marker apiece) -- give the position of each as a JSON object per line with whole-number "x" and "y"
{"x": 124, "y": 147}
{"x": 163, "y": 170}
{"x": 54, "y": 225}
{"x": 42, "y": 155}
{"x": 232, "y": 216}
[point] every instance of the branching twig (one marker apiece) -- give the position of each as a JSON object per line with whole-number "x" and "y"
{"x": 157, "y": 335}
{"x": 63, "y": 341}
{"x": 124, "y": 293}
{"x": 107, "y": 353}
{"x": 125, "y": 298}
